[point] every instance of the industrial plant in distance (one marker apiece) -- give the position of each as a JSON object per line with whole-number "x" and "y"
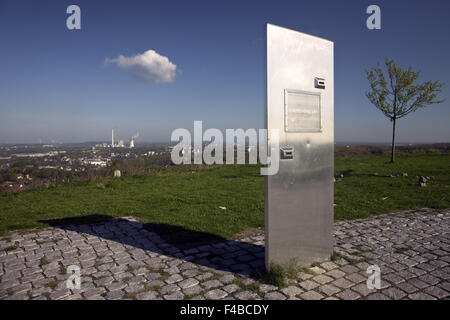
{"x": 27, "y": 166}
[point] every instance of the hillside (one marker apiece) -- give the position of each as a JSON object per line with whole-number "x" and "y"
{"x": 192, "y": 198}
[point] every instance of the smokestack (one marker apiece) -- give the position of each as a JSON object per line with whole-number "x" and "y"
{"x": 112, "y": 138}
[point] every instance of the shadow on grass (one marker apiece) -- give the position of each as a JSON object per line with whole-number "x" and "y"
{"x": 202, "y": 248}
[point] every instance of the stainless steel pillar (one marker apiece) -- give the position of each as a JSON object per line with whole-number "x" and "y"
{"x": 299, "y": 199}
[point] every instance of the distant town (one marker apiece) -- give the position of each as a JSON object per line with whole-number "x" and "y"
{"x": 25, "y": 166}
{"x": 28, "y": 166}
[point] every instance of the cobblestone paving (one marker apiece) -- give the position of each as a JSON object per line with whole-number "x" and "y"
{"x": 119, "y": 259}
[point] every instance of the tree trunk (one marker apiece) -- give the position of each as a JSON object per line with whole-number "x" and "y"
{"x": 393, "y": 141}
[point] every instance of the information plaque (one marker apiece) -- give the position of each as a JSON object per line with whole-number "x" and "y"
{"x": 302, "y": 111}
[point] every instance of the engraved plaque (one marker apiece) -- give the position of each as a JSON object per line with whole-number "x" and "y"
{"x": 302, "y": 111}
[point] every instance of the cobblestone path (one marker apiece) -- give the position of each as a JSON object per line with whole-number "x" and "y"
{"x": 122, "y": 259}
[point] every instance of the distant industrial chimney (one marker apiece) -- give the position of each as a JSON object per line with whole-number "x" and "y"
{"x": 112, "y": 138}
{"x": 132, "y": 139}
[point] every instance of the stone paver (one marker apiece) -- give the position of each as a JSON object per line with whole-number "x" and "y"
{"x": 231, "y": 288}
{"x": 121, "y": 259}
{"x": 188, "y": 283}
{"x": 329, "y": 290}
{"x": 215, "y": 294}
{"x": 311, "y": 295}
{"x": 292, "y": 291}
{"x": 246, "y": 295}
{"x": 348, "y": 295}
{"x": 274, "y": 296}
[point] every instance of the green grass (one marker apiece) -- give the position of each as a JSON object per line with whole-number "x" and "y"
{"x": 361, "y": 193}
{"x": 279, "y": 273}
{"x": 186, "y": 198}
{"x": 191, "y": 199}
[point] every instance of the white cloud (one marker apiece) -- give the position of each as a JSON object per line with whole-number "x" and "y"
{"x": 149, "y": 66}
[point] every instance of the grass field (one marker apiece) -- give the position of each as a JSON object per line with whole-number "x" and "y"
{"x": 362, "y": 193}
{"x": 191, "y": 199}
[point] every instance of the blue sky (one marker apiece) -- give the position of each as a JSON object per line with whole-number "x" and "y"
{"x": 54, "y": 84}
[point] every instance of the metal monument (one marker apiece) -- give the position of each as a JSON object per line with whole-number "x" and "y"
{"x": 299, "y": 198}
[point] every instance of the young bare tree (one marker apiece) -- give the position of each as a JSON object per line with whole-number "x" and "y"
{"x": 399, "y": 95}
